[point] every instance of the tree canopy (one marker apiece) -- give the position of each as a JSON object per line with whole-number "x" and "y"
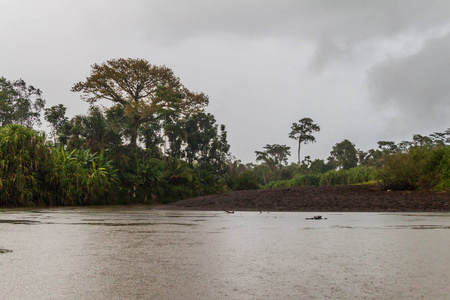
{"x": 274, "y": 155}
{"x": 141, "y": 89}
{"x": 19, "y": 103}
{"x": 344, "y": 155}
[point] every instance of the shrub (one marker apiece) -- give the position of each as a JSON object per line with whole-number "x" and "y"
{"x": 355, "y": 175}
{"x": 246, "y": 180}
{"x": 23, "y": 162}
{"x": 334, "y": 177}
{"x": 79, "y": 178}
{"x": 312, "y": 179}
{"x": 420, "y": 168}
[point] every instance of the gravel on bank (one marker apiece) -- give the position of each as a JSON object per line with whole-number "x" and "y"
{"x": 351, "y": 198}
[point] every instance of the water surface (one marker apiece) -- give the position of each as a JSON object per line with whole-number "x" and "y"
{"x": 138, "y": 253}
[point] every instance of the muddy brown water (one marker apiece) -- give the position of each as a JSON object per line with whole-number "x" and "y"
{"x": 138, "y": 253}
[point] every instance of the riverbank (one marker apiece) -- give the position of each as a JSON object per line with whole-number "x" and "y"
{"x": 351, "y": 198}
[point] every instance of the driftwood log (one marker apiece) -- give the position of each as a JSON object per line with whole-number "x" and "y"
{"x": 227, "y": 211}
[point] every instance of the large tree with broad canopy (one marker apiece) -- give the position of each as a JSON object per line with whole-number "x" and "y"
{"x": 142, "y": 89}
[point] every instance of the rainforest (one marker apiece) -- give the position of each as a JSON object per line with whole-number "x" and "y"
{"x": 148, "y": 139}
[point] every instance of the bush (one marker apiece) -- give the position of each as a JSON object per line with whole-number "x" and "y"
{"x": 246, "y": 180}
{"x": 420, "y": 168}
{"x": 23, "y": 163}
{"x": 359, "y": 174}
{"x": 312, "y": 179}
{"x": 79, "y": 178}
{"x": 443, "y": 171}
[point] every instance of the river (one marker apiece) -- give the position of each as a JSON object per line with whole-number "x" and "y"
{"x": 140, "y": 253}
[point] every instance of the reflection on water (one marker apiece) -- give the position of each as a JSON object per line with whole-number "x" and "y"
{"x": 136, "y": 253}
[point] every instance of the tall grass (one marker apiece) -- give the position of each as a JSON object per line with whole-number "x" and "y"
{"x": 359, "y": 174}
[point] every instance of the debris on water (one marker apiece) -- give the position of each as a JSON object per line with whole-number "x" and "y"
{"x": 318, "y": 217}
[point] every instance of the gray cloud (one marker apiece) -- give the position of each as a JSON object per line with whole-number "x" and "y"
{"x": 335, "y": 27}
{"x": 415, "y": 86}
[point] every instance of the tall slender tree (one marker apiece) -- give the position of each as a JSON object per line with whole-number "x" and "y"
{"x": 302, "y": 132}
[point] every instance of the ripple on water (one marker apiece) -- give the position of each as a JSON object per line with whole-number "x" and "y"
{"x": 23, "y": 222}
{"x": 420, "y": 227}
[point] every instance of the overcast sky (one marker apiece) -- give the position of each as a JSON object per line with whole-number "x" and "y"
{"x": 362, "y": 70}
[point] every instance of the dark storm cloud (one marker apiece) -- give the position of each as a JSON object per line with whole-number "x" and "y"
{"x": 335, "y": 27}
{"x": 350, "y": 20}
{"x": 416, "y": 86}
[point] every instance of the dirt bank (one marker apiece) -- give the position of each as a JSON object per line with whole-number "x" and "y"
{"x": 352, "y": 198}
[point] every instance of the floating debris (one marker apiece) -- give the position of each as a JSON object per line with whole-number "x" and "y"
{"x": 318, "y": 217}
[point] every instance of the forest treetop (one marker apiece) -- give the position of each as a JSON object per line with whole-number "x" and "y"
{"x": 141, "y": 89}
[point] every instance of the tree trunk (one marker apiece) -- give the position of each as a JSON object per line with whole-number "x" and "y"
{"x": 133, "y": 139}
{"x": 299, "y": 143}
{"x": 134, "y": 131}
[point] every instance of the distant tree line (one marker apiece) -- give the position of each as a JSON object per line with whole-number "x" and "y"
{"x": 422, "y": 163}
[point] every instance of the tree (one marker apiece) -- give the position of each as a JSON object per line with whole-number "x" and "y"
{"x": 319, "y": 166}
{"x": 19, "y": 103}
{"x": 274, "y": 156}
{"x": 387, "y": 147}
{"x": 344, "y": 155}
{"x": 92, "y": 131}
{"x": 206, "y": 143}
{"x": 140, "y": 88}
{"x": 56, "y": 116}
{"x": 420, "y": 140}
{"x": 302, "y": 132}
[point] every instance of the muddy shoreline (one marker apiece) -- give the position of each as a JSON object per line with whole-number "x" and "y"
{"x": 349, "y": 198}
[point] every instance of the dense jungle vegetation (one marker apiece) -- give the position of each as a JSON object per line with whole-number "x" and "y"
{"x": 151, "y": 140}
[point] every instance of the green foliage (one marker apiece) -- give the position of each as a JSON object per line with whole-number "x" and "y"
{"x": 93, "y": 131}
{"x": 79, "y": 178}
{"x": 274, "y": 156}
{"x": 442, "y": 169}
{"x": 206, "y": 145}
{"x": 156, "y": 144}
{"x": 19, "y": 103}
{"x": 333, "y": 177}
{"x": 311, "y": 179}
{"x": 23, "y": 163}
{"x": 56, "y": 116}
{"x": 421, "y": 167}
{"x": 355, "y": 175}
{"x": 344, "y": 155}
{"x": 318, "y": 166}
{"x": 142, "y": 90}
{"x": 31, "y": 173}
{"x": 246, "y": 180}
